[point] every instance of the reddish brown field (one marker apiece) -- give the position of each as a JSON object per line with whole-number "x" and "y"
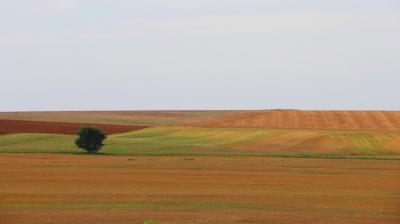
{"x": 142, "y": 118}
{"x": 300, "y": 119}
{"x": 71, "y": 189}
{"x": 19, "y": 126}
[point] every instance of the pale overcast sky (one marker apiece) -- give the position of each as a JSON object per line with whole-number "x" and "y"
{"x": 199, "y": 54}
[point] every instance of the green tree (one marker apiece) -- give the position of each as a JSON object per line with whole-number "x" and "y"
{"x": 90, "y": 139}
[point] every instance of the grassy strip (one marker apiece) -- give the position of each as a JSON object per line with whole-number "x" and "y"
{"x": 186, "y": 205}
{"x": 224, "y": 142}
{"x": 315, "y": 156}
{"x": 130, "y": 205}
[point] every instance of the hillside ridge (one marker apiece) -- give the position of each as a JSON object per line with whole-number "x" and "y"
{"x": 310, "y": 119}
{"x": 278, "y": 118}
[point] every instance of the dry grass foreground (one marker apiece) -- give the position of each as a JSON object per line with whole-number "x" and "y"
{"x": 289, "y": 119}
{"x": 71, "y": 189}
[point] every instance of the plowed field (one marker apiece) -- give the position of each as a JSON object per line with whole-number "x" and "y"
{"x": 298, "y": 119}
{"x": 141, "y": 118}
{"x": 70, "y": 189}
{"x": 287, "y": 119}
{"x": 19, "y": 126}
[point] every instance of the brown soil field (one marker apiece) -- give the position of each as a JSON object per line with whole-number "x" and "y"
{"x": 288, "y": 119}
{"x": 301, "y": 119}
{"x": 142, "y": 118}
{"x": 71, "y": 189}
{"x": 19, "y": 126}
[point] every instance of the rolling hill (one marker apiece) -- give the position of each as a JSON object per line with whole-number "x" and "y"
{"x": 286, "y": 119}
{"x": 300, "y": 119}
{"x": 218, "y": 141}
{"x": 273, "y": 132}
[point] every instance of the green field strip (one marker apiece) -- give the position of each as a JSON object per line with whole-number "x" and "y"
{"x": 189, "y": 205}
{"x": 190, "y": 141}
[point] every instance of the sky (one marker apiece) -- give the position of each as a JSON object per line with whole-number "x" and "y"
{"x": 199, "y": 54}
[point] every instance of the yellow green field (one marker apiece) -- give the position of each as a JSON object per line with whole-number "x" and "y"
{"x": 218, "y": 141}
